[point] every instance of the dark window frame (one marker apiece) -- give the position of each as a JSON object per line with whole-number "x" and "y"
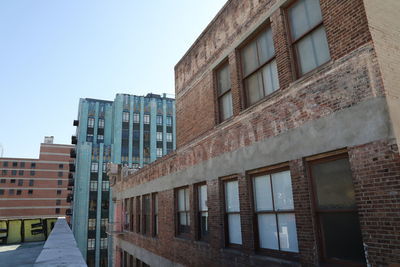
{"x": 267, "y": 24}
{"x": 218, "y": 97}
{"x": 223, "y": 181}
{"x": 199, "y": 235}
{"x": 292, "y": 43}
{"x": 324, "y": 158}
{"x": 182, "y": 230}
{"x": 293, "y": 256}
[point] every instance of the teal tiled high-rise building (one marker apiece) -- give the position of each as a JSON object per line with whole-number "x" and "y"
{"x": 131, "y": 130}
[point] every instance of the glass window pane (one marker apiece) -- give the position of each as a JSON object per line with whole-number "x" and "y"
{"x": 320, "y": 45}
{"x": 186, "y": 199}
{"x": 232, "y": 196}
{"x": 235, "y": 230}
{"x": 224, "y": 81}
{"x": 182, "y": 218}
{"x": 226, "y": 106}
{"x": 249, "y": 58}
{"x": 342, "y": 236}
{"x": 288, "y": 232}
{"x": 254, "y": 88}
{"x": 265, "y": 46}
{"x": 334, "y": 184}
{"x": 267, "y": 231}
{"x": 282, "y": 186}
{"x": 270, "y": 77}
{"x": 203, "y": 198}
{"x": 262, "y": 193}
{"x": 304, "y": 15}
{"x": 181, "y": 199}
{"x": 305, "y": 51}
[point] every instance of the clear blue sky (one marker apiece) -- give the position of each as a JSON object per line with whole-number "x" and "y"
{"x": 53, "y": 52}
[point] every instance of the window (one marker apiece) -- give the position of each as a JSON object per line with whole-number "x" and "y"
{"x": 22, "y": 164}
{"x": 101, "y": 123}
{"x": 94, "y": 167}
{"x": 159, "y": 119}
{"x": 146, "y": 119}
{"x": 91, "y": 242}
{"x": 259, "y": 67}
{"x": 136, "y": 117}
{"x": 1, "y": 191}
{"x": 4, "y": 172}
{"x": 159, "y": 152}
{"x": 224, "y": 92}
{"x": 60, "y": 174}
{"x": 57, "y": 210}
{"x": 59, "y": 182}
{"x": 30, "y": 192}
{"x": 105, "y": 185}
{"x": 90, "y": 122}
{"x": 183, "y": 213}
{"x": 32, "y": 173}
{"x": 146, "y": 214}
{"x": 103, "y": 243}
{"x": 125, "y": 116}
{"x": 169, "y": 121}
{"x": 155, "y": 214}
{"x": 20, "y": 182}
{"x": 308, "y": 35}
{"x": 5, "y": 164}
{"x": 11, "y": 192}
{"x": 169, "y": 137}
{"x": 203, "y": 211}
{"x": 3, "y": 181}
{"x": 232, "y": 212}
{"x": 12, "y": 181}
{"x": 273, "y": 202}
{"x": 61, "y": 166}
{"x": 33, "y": 165}
{"x": 58, "y": 192}
{"x": 18, "y": 192}
{"x": 14, "y": 172}
{"x": 336, "y": 210}
{"x": 31, "y": 182}
{"x": 15, "y": 164}
{"x": 100, "y": 137}
{"x": 20, "y": 173}
{"x": 58, "y": 202}
{"x": 159, "y": 136}
{"x": 103, "y": 222}
{"x": 92, "y": 224}
{"x": 93, "y": 185}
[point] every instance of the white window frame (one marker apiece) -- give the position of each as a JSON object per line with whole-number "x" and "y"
{"x": 93, "y": 185}
{"x": 159, "y": 136}
{"x": 91, "y": 243}
{"x": 168, "y": 121}
{"x": 94, "y": 167}
{"x": 90, "y": 122}
{"x": 169, "y": 137}
{"x": 136, "y": 118}
{"x": 159, "y": 152}
{"x": 232, "y": 212}
{"x": 101, "y": 123}
{"x": 146, "y": 118}
{"x": 125, "y": 116}
{"x": 92, "y": 224}
{"x": 105, "y": 185}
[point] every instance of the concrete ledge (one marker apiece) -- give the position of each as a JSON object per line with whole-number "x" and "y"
{"x": 60, "y": 248}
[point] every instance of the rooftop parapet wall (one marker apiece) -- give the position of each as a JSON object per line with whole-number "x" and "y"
{"x": 60, "y": 248}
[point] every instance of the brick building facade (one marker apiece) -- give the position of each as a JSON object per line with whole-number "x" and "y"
{"x": 287, "y": 144}
{"x": 34, "y": 190}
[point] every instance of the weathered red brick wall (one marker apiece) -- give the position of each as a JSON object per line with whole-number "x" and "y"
{"x": 376, "y": 174}
{"x": 346, "y": 28}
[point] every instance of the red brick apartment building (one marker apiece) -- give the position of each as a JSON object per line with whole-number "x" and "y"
{"x": 33, "y": 191}
{"x": 288, "y": 125}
